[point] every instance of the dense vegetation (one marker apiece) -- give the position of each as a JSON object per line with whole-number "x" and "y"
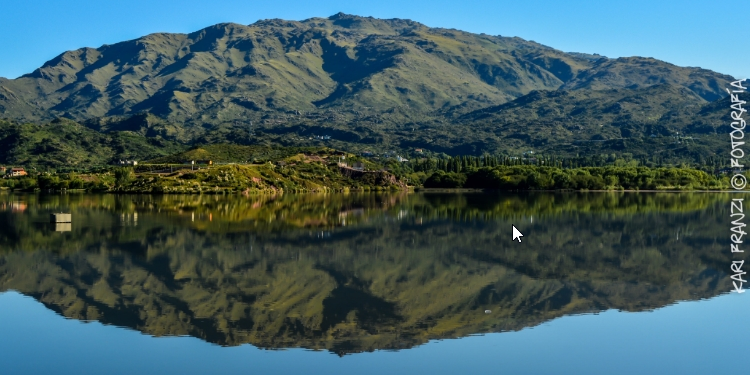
{"x": 264, "y": 169}
{"x": 587, "y": 178}
{"x": 67, "y": 145}
{"x": 317, "y": 170}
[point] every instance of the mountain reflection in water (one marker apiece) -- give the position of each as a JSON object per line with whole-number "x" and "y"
{"x": 353, "y": 273}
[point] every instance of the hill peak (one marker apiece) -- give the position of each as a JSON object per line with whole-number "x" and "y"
{"x": 342, "y": 15}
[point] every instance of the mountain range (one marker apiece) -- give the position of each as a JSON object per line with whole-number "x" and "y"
{"x": 373, "y": 84}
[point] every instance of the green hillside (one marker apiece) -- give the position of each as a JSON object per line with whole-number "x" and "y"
{"x": 371, "y": 84}
{"x": 661, "y": 121}
{"x": 67, "y": 144}
{"x": 230, "y": 71}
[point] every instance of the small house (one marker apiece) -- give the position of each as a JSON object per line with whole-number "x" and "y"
{"x": 128, "y": 162}
{"x": 419, "y": 150}
{"x": 17, "y": 172}
{"x": 2, "y": 170}
{"x": 360, "y": 166}
{"x": 18, "y": 206}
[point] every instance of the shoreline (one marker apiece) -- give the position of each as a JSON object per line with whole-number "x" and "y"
{"x": 476, "y": 190}
{"x": 409, "y": 189}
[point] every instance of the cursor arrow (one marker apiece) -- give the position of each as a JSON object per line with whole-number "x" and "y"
{"x": 517, "y": 234}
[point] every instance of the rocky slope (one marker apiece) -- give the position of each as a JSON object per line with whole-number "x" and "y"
{"x": 367, "y": 82}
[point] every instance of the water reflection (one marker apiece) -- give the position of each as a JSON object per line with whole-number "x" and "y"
{"x": 352, "y": 273}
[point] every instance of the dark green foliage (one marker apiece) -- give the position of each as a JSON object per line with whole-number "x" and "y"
{"x": 123, "y": 177}
{"x": 445, "y": 180}
{"x": 66, "y": 145}
{"x": 20, "y": 183}
{"x": 587, "y": 178}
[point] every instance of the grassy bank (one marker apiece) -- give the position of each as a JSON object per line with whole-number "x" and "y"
{"x": 299, "y": 173}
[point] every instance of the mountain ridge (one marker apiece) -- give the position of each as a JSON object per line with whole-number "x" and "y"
{"x": 97, "y": 75}
{"x": 341, "y": 73}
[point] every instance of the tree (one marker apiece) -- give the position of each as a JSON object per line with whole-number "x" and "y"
{"x": 123, "y": 176}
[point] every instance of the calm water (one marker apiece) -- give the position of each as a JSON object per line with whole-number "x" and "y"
{"x": 602, "y": 283}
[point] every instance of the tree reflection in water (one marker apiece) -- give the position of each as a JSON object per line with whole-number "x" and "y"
{"x": 359, "y": 272}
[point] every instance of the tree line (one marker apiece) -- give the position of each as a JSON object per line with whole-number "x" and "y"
{"x": 463, "y": 162}
{"x": 536, "y": 177}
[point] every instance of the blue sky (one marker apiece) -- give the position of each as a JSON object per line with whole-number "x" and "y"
{"x": 708, "y": 34}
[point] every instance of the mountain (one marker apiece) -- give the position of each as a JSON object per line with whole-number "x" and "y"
{"x": 224, "y": 71}
{"x": 369, "y": 82}
{"x": 639, "y": 72}
{"x": 644, "y": 121}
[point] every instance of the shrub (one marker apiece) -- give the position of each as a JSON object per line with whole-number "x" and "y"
{"x": 445, "y": 180}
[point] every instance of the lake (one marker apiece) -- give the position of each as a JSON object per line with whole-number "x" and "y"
{"x": 601, "y": 283}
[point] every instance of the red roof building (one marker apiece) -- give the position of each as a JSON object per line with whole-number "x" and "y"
{"x": 17, "y": 172}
